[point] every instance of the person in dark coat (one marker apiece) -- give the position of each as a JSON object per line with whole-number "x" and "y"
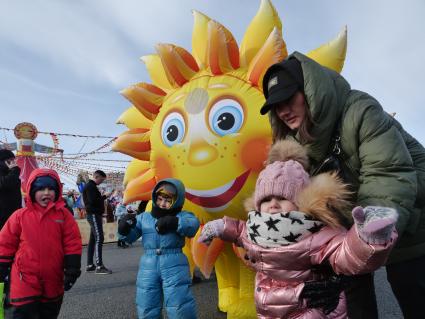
{"x": 94, "y": 202}
{"x": 348, "y": 131}
{"x": 10, "y": 186}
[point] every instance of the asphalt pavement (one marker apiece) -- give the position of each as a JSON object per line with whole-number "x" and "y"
{"x": 113, "y": 296}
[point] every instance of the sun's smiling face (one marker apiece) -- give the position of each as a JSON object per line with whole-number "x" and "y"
{"x": 199, "y": 119}
{"x": 212, "y": 124}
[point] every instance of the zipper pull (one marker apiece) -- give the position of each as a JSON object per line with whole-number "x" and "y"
{"x": 317, "y": 170}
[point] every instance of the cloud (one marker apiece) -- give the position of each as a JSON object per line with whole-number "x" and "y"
{"x": 68, "y": 35}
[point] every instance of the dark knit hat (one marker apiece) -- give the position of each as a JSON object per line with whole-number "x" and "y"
{"x": 43, "y": 182}
{"x": 6, "y": 154}
{"x": 281, "y": 81}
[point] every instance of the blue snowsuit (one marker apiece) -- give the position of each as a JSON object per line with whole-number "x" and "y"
{"x": 164, "y": 273}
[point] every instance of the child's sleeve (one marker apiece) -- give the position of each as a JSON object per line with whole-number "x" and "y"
{"x": 348, "y": 254}
{"x": 188, "y": 224}
{"x": 9, "y": 239}
{"x": 233, "y": 228}
{"x": 71, "y": 237}
{"x": 72, "y": 247}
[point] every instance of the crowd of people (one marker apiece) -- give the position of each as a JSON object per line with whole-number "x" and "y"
{"x": 113, "y": 199}
{"x": 342, "y": 193}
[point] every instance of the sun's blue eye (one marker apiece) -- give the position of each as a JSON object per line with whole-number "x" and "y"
{"x": 173, "y": 129}
{"x": 226, "y": 117}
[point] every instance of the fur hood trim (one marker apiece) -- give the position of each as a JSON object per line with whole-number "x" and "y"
{"x": 326, "y": 199}
{"x": 249, "y": 203}
{"x": 285, "y": 150}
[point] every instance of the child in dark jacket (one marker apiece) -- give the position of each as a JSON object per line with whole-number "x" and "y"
{"x": 42, "y": 243}
{"x": 164, "y": 270}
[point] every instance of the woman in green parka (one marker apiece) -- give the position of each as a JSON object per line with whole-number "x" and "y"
{"x": 348, "y": 130}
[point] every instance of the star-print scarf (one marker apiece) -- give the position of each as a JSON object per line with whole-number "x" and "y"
{"x": 280, "y": 229}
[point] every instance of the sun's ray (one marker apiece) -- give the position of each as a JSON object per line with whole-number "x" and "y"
{"x": 179, "y": 65}
{"x": 199, "y": 34}
{"x": 134, "y": 169}
{"x": 273, "y": 51}
{"x": 135, "y": 143}
{"x": 205, "y": 256}
{"x": 147, "y": 98}
{"x": 141, "y": 187}
{"x": 258, "y": 32}
{"x": 132, "y": 118}
{"x": 332, "y": 54}
{"x": 156, "y": 71}
{"x": 222, "y": 52}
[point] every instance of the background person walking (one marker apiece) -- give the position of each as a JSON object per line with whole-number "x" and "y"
{"x": 94, "y": 203}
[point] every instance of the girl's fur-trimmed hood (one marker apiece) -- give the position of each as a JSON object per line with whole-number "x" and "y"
{"x": 325, "y": 198}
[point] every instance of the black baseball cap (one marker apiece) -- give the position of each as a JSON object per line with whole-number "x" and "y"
{"x": 281, "y": 81}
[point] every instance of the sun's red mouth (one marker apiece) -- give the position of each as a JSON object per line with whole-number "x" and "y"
{"x": 217, "y": 197}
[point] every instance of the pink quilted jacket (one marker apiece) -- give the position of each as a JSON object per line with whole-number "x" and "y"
{"x": 282, "y": 271}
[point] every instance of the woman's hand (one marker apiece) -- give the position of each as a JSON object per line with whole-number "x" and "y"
{"x": 375, "y": 224}
{"x": 211, "y": 230}
{"x": 325, "y": 293}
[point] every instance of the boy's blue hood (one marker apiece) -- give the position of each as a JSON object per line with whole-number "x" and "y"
{"x": 180, "y": 192}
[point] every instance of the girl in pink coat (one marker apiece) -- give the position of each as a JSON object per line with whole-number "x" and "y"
{"x": 296, "y": 228}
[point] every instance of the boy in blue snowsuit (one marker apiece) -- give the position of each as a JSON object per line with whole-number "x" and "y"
{"x": 164, "y": 273}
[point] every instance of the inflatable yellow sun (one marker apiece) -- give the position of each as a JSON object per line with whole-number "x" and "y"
{"x": 199, "y": 121}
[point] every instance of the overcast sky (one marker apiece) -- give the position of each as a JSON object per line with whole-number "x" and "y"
{"x": 62, "y": 63}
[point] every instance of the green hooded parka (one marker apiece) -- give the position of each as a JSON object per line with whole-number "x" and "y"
{"x": 385, "y": 164}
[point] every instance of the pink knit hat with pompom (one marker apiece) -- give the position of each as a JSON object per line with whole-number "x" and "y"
{"x": 281, "y": 179}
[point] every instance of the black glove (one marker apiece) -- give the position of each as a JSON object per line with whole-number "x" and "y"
{"x": 325, "y": 293}
{"x": 70, "y": 279}
{"x": 72, "y": 265}
{"x": 4, "y": 271}
{"x": 167, "y": 224}
{"x": 126, "y": 223}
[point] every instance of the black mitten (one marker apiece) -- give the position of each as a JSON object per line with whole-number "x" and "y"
{"x": 167, "y": 224}
{"x": 325, "y": 293}
{"x": 72, "y": 265}
{"x": 126, "y": 223}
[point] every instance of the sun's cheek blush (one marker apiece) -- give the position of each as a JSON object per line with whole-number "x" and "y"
{"x": 254, "y": 153}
